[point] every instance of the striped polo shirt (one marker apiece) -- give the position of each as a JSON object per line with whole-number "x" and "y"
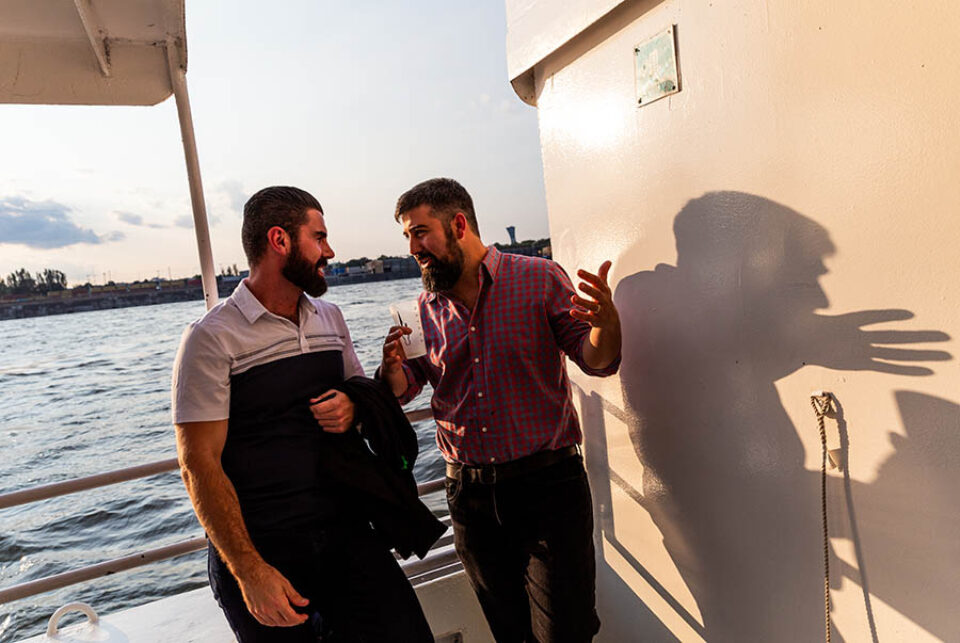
{"x": 242, "y": 363}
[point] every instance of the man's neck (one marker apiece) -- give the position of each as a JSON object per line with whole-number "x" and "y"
{"x": 276, "y": 294}
{"x": 467, "y": 287}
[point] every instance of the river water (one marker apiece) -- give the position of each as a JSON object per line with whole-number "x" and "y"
{"x": 90, "y": 392}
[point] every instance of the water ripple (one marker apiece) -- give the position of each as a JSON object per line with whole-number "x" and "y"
{"x": 101, "y": 405}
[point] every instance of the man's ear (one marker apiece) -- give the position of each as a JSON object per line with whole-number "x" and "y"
{"x": 278, "y": 240}
{"x": 460, "y": 224}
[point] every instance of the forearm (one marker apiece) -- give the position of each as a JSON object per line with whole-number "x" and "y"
{"x": 218, "y": 510}
{"x": 601, "y": 346}
{"x": 397, "y": 379}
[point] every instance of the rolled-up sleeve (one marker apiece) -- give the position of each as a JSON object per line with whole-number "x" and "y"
{"x": 570, "y": 332}
{"x": 416, "y": 378}
{"x": 200, "y": 390}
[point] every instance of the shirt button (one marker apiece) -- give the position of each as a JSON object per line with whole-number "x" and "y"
{"x": 473, "y": 329}
{"x": 480, "y": 394}
{"x": 476, "y": 360}
{"x": 493, "y": 459}
{"x": 484, "y": 429}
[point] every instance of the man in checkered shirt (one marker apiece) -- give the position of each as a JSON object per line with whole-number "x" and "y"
{"x": 497, "y": 327}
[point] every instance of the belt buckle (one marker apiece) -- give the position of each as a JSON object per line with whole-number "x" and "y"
{"x": 487, "y": 474}
{"x": 482, "y": 474}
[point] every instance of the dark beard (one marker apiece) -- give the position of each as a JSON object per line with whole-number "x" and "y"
{"x": 442, "y": 274}
{"x": 303, "y": 274}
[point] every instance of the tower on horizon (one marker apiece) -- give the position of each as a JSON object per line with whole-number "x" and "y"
{"x": 512, "y": 231}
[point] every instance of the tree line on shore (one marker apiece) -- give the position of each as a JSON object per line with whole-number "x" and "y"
{"x": 21, "y": 282}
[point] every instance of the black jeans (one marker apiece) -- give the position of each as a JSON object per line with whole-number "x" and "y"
{"x": 356, "y": 589}
{"x": 526, "y": 544}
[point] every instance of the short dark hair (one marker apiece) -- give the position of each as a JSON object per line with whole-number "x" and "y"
{"x": 444, "y": 196}
{"x": 278, "y": 205}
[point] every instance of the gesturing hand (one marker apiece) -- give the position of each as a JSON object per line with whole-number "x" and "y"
{"x": 269, "y": 597}
{"x": 333, "y": 410}
{"x": 599, "y": 310}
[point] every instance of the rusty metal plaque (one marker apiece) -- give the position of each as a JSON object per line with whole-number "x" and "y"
{"x": 656, "y": 61}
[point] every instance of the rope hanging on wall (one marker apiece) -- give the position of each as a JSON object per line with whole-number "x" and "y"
{"x": 822, "y": 404}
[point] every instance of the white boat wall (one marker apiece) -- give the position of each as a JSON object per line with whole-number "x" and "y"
{"x": 785, "y": 223}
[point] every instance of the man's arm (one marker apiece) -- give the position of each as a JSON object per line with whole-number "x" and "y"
{"x": 587, "y": 330}
{"x": 602, "y": 345}
{"x": 267, "y": 594}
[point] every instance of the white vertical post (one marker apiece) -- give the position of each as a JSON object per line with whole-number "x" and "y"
{"x": 178, "y": 80}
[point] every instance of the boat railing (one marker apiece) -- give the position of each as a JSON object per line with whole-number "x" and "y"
{"x": 440, "y": 561}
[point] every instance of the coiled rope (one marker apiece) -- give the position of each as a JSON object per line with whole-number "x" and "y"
{"x": 822, "y": 404}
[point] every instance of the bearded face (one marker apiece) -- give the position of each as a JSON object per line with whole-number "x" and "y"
{"x": 441, "y": 273}
{"x": 304, "y": 274}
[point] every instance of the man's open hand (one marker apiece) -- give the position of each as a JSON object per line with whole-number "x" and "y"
{"x": 597, "y": 308}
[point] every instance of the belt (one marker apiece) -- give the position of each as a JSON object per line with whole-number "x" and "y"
{"x": 493, "y": 473}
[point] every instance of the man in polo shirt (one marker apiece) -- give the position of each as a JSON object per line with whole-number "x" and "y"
{"x": 251, "y": 383}
{"x": 497, "y": 327}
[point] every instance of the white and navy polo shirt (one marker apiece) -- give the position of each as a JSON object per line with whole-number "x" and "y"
{"x": 242, "y": 363}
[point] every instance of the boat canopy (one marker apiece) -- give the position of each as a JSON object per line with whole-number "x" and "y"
{"x": 89, "y": 52}
{"x": 105, "y": 52}
{"x": 536, "y": 30}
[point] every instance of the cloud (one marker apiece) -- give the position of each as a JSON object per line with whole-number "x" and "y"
{"x": 230, "y": 192}
{"x": 132, "y": 219}
{"x": 186, "y": 220}
{"x": 235, "y": 192}
{"x": 43, "y": 224}
{"x": 116, "y": 235}
{"x": 136, "y": 219}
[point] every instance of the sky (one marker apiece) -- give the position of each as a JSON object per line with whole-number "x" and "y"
{"x": 352, "y": 101}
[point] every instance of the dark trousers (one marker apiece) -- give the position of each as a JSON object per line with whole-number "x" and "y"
{"x": 356, "y": 589}
{"x": 526, "y": 544}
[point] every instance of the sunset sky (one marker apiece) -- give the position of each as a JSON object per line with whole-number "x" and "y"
{"x": 354, "y": 102}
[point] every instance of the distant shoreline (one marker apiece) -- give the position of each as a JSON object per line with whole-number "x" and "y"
{"x": 149, "y": 293}
{"x": 124, "y": 296}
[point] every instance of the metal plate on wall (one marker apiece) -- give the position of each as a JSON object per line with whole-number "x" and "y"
{"x": 656, "y": 61}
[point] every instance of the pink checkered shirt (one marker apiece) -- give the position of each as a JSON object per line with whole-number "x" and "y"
{"x": 499, "y": 376}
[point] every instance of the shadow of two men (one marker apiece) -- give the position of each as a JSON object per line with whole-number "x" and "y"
{"x": 724, "y": 477}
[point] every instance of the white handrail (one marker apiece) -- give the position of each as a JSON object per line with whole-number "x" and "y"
{"x": 90, "y": 572}
{"x": 56, "y": 581}
{"x": 42, "y": 492}
{"x": 52, "y": 490}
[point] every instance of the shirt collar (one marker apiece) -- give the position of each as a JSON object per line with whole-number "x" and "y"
{"x": 489, "y": 264}
{"x": 247, "y": 302}
{"x": 251, "y": 308}
{"x": 491, "y": 261}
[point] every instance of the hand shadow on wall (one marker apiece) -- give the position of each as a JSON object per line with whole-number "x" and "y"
{"x": 704, "y": 343}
